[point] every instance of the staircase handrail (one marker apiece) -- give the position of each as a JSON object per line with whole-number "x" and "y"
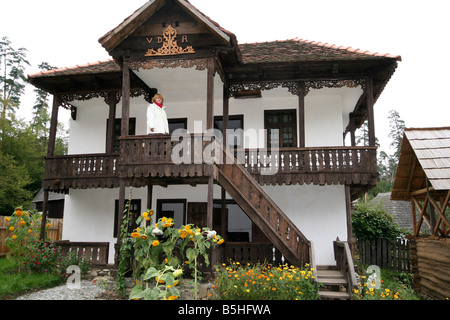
{"x": 345, "y": 264}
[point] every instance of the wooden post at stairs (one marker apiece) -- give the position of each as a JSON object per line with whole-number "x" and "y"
{"x": 210, "y": 125}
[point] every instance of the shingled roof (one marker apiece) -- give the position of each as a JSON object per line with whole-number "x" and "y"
{"x": 300, "y": 50}
{"x": 262, "y": 52}
{"x": 425, "y": 153}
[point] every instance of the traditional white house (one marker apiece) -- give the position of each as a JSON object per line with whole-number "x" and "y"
{"x": 295, "y": 197}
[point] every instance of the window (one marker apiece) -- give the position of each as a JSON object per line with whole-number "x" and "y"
{"x": 174, "y": 124}
{"x": 234, "y": 122}
{"x": 285, "y": 121}
{"x": 135, "y": 211}
{"x": 172, "y": 208}
{"x": 117, "y": 129}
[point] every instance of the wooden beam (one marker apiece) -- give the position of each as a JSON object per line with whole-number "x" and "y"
{"x": 301, "y": 114}
{"x": 210, "y": 94}
{"x": 53, "y": 126}
{"x": 370, "y": 113}
{"x": 44, "y": 216}
{"x": 124, "y": 128}
{"x": 111, "y": 120}
{"x": 120, "y": 210}
{"x": 225, "y": 114}
{"x": 210, "y": 207}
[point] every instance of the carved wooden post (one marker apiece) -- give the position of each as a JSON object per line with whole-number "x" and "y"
{"x": 301, "y": 113}
{"x": 50, "y": 152}
{"x": 111, "y": 119}
{"x": 210, "y": 125}
{"x": 370, "y": 114}
{"x": 124, "y": 130}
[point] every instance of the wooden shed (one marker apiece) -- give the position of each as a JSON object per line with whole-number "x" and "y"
{"x": 423, "y": 178}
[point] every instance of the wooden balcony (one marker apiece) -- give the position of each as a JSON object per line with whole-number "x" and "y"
{"x": 150, "y": 156}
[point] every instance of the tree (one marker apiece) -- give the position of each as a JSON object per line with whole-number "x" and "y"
{"x": 12, "y": 76}
{"x": 41, "y": 115}
{"x": 386, "y": 163}
{"x": 23, "y": 145}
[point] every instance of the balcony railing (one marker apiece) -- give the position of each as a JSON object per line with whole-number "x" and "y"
{"x": 158, "y": 156}
{"x": 81, "y": 172}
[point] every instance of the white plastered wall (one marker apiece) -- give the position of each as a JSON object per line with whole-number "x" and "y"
{"x": 319, "y": 212}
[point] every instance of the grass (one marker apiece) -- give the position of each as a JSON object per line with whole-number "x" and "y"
{"x": 14, "y": 284}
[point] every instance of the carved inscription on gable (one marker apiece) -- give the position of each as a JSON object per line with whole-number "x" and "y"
{"x": 169, "y": 44}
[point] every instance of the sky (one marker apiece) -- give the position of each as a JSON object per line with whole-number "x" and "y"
{"x": 66, "y": 33}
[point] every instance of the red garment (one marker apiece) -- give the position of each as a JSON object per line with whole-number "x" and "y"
{"x": 159, "y": 105}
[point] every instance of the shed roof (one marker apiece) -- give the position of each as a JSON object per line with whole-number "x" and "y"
{"x": 425, "y": 153}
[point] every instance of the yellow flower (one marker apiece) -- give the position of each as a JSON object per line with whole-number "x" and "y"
{"x": 14, "y": 237}
{"x": 151, "y": 212}
{"x": 29, "y": 231}
{"x": 22, "y": 222}
{"x": 155, "y": 243}
{"x": 173, "y": 297}
{"x": 8, "y": 219}
{"x": 184, "y": 234}
{"x": 19, "y": 212}
{"x": 11, "y": 228}
{"x": 145, "y": 214}
{"x": 143, "y": 237}
{"x": 220, "y": 241}
{"x": 135, "y": 235}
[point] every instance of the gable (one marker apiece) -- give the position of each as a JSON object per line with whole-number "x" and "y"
{"x": 166, "y": 28}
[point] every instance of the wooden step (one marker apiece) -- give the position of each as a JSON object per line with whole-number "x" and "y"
{"x": 334, "y": 295}
{"x": 332, "y": 281}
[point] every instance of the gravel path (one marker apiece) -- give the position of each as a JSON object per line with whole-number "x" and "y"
{"x": 88, "y": 291}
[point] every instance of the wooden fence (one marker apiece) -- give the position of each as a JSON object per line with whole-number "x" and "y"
{"x": 386, "y": 254}
{"x": 54, "y": 232}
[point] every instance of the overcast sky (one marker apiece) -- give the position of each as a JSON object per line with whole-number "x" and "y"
{"x": 66, "y": 33}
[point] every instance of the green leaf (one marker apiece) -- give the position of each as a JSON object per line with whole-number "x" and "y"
{"x": 151, "y": 293}
{"x": 191, "y": 253}
{"x": 151, "y": 273}
{"x": 136, "y": 292}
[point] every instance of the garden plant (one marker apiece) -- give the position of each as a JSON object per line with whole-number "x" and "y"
{"x": 234, "y": 281}
{"x": 161, "y": 254}
{"x": 30, "y": 255}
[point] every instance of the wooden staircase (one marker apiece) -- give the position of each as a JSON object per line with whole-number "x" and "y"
{"x": 261, "y": 209}
{"x": 334, "y": 285}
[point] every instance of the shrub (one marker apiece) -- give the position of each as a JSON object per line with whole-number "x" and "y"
{"x": 373, "y": 223}
{"x": 30, "y": 254}
{"x": 263, "y": 282}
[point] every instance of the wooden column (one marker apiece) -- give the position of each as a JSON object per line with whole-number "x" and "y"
{"x": 210, "y": 125}
{"x": 301, "y": 113}
{"x": 111, "y": 120}
{"x": 225, "y": 117}
{"x": 370, "y": 113}
{"x": 50, "y": 152}
{"x": 120, "y": 210}
{"x": 53, "y": 126}
{"x": 348, "y": 206}
{"x": 124, "y": 128}
{"x": 210, "y": 94}
{"x": 225, "y": 114}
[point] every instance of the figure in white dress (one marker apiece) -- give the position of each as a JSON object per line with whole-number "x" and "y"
{"x": 156, "y": 116}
